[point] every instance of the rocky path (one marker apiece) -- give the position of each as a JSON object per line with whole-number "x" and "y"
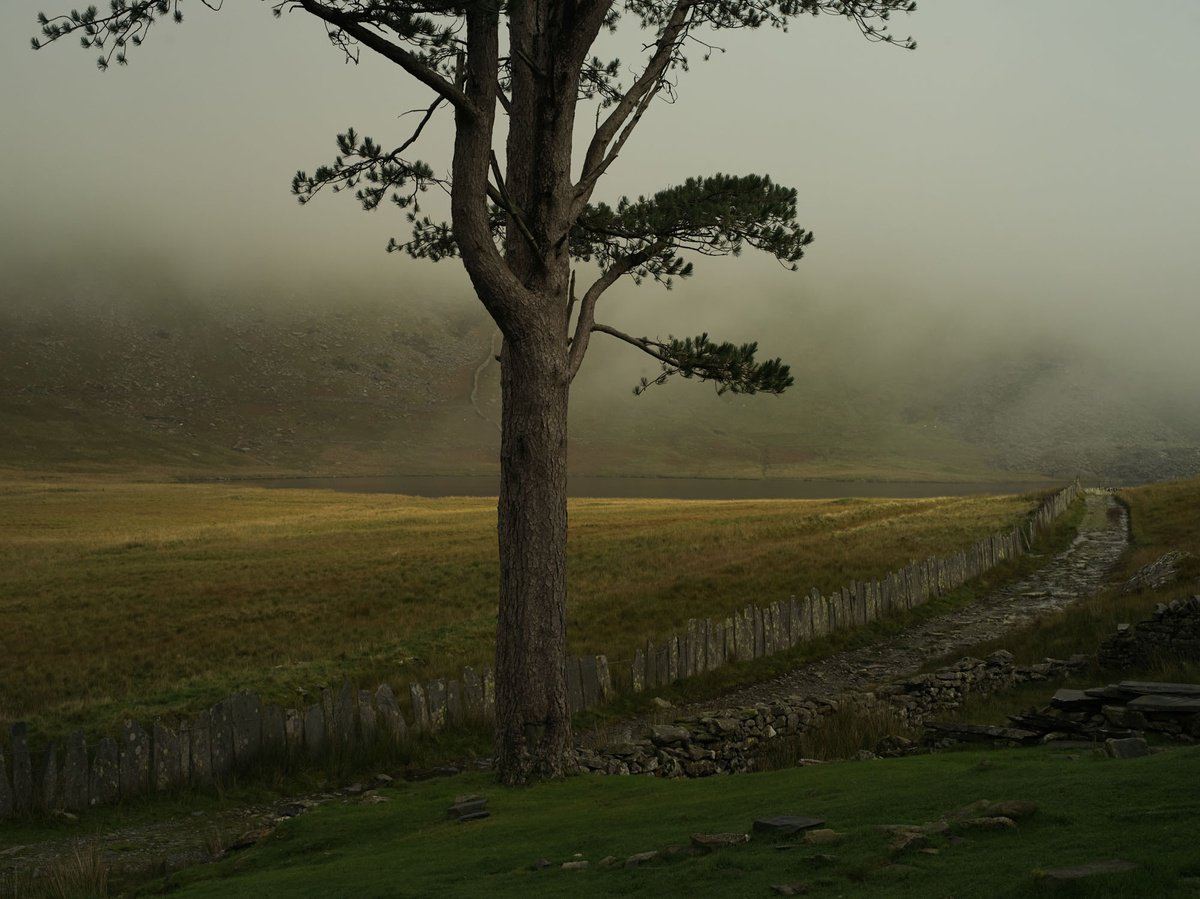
{"x": 1071, "y": 576}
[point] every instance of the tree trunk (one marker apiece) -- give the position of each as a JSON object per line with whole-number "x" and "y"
{"x": 533, "y": 724}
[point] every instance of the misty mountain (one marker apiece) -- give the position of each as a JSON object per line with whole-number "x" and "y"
{"x": 210, "y": 387}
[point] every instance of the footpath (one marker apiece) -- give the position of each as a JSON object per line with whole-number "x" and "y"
{"x": 1069, "y": 577}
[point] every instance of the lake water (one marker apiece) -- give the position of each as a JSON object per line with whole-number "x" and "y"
{"x": 655, "y": 488}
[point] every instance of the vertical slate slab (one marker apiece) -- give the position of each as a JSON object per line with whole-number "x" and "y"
{"x": 574, "y": 685}
{"x": 75, "y": 773}
{"x": 489, "y": 695}
{"x": 828, "y": 615}
{"x": 435, "y": 694}
{"x": 801, "y": 621}
{"x": 164, "y": 758}
{"x": 391, "y": 719}
{"x": 651, "y": 666}
{"x": 420, "y": 708}
{"x": 6, "y": 794}
{"x": 274, "y": 732}
{"x": 293, "y": 730}
{"x": 718, "y": 649}
{"x": 759, "y": 637}
{"x": 185, "y": 752}
{"x": 673, "y": 666}
{"x": 688, "y": 650}
{"x": 472, "y": 687}
{"x": 49, "y": 786}
{"x": 637, "y": 672}
{"x": 314, "y": 730}
{"x": 328, "y": 707}
{"x": 104, "y": 785}
{"x": 768, "y": 626}
{"x": 135, "y": 760}
{"x": 663, "y": 664}
{"x": 201, "y": 755}
{"x": 246, "y": 708}
{"x": 343, "y": 716}
{"x": 454, "y": 703}
{"x": 743, "y": 637}
{"x": 220, "y": 739}
{"x": 775, "y": 634}
{"x": 589, "y": 681}
{"x": 604, "y": 678}
{"x": 22, "y": 766}
{"x": 368, "y": 725}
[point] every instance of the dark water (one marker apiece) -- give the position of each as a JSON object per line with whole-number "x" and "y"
{"x": 653, "y": 488}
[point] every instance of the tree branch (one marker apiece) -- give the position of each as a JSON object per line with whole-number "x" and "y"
{"x": 401, "y": 57}
{"x": 732, "y": 367}
{"x": 587, "y": 307}
{"x": 665, "y": 48}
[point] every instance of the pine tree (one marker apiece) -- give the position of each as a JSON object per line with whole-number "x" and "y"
{"x": 518, "y": 71}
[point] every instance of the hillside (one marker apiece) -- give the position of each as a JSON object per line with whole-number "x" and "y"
{"x": 353, "y": 388}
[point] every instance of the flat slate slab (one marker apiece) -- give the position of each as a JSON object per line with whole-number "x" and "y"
{"x": 1091, "y": 869}
{"x": 1129, "y": 748}
{"x": 1110, "y": 691}
{"x": 785, "y": 824}
{"x": 1074, "y": 699}
{"x": 1140, "y": 687}
{"x": 981, "y": 733}
{"x": 1158, "y": 703}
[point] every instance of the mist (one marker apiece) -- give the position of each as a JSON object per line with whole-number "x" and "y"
{"x": 1004, "y": 218}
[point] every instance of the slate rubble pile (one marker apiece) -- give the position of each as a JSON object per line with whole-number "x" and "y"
{"x": 1118, "y": 711}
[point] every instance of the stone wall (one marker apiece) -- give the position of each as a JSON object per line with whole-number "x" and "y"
{"x": 758, "y": 631}
{"x": 730, "y": 740}
{"x": 1173, "y": 631}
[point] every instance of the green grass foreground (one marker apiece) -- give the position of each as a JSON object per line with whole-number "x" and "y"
{"x": 1090, "y": 808}
{"x": 136, "y": 600}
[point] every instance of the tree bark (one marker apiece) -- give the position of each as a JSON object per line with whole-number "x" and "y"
{"x": 533, "y": 724}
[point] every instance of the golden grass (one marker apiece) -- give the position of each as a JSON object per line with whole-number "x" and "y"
{"x": 141, "y": 599}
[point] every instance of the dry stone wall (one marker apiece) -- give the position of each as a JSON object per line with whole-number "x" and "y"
{"x": 729, "y": 741}
{"x": 1172, "y": 631}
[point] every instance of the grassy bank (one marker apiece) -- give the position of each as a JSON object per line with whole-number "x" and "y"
{"x": 1089, "y": 808}
{"x": 142, "y": 599}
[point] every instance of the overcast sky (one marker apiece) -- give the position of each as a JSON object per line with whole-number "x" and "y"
{"x": 1032, "y": 165}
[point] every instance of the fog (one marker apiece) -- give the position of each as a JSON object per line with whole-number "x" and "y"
{"x": 1022, "y": 186}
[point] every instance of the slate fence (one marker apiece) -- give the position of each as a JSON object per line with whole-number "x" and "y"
{"x": 759, "y": 631}
{"x": 242, "y": 732}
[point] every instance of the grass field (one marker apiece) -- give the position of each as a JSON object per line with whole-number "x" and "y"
{"x": 126, "y": 599}
{"x": 1090, "y": 808}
